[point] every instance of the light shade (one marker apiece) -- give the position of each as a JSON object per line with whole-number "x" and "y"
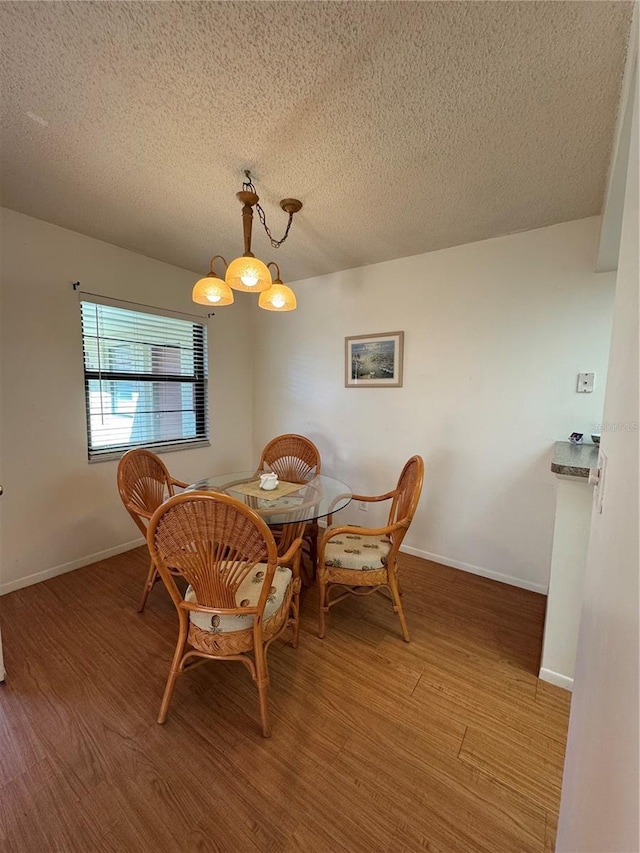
{"x": 278, "y": 297}
{"x": 212, "y": 290}
{"x": 249, "y": 274}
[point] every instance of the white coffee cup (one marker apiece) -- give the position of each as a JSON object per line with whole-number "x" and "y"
{"x": 268, "y": 481}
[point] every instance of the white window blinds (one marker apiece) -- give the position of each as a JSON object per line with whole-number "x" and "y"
{"x": 145, "y": 379}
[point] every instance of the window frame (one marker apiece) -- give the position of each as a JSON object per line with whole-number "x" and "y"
{"x": 199, "y": 380}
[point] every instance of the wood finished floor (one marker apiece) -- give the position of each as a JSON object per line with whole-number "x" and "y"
{"x": 449, "y": 744}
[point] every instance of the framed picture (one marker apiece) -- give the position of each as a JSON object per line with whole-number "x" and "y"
{"x": 374, "y": 361}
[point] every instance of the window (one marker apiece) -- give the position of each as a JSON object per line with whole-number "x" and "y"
{"x": 145, "y": 379}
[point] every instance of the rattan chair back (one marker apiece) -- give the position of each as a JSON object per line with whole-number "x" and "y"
{"x": 408, "y": 490}
{"x": 144, "y": 483}
{"x": 293, "y": 458}
{"x": 213, "y": 541}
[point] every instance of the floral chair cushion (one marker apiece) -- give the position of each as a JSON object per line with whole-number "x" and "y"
{"x": 356, "y": 552}
{"x": 247, "y": 596}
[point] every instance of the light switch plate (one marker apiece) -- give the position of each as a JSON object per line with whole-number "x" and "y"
{"x": 585, "y": 383}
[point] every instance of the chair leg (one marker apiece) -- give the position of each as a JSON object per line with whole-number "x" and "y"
{"x": 323, "y": 590}
{"x": 296, "y": 625}
{"x": 397, "y": 606}
{"x": 313, "y": 548}
{"x": 152, "y": 577}
{"x": 262, "y": 683}
{"x": 174, "y": 672}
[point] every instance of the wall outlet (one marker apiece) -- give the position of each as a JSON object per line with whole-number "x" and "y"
{"x": 585, "y": 383}
{"x": 363, "y": 506}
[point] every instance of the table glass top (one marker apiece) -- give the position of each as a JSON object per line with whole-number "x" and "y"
{"x": 313, "y": 499}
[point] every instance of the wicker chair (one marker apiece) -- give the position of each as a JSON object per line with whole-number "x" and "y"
{"x": 240, "y": 597}
{"x": 294, "y": 459}
{"x": 144, "y": 483}
{"x": 365, "y": 560}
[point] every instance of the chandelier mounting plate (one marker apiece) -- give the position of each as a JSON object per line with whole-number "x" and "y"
{"x": 291, "y": 205}
{"x": 247, "y": 197}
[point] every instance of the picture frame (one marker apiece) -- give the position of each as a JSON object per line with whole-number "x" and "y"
{"x": 374, "y": 361}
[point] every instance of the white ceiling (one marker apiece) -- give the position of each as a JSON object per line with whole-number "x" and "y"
{"x": 404, "y": 127}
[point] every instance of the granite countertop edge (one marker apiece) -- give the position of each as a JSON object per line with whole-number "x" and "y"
{"x": 574, "y": 460}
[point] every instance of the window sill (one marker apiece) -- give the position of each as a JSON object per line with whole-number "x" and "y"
{"x": 110, "y": 456}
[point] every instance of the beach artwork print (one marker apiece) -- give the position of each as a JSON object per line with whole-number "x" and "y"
{"x": 374, "y": 360}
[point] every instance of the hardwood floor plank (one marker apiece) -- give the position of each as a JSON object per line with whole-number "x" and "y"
{"x": 447, "y": 803}
{"x": 478, "y": 702}
{"x": 19, "y": 744}
{"x": 553, "y": 704}
{"x": 448, "y": 744}
{"x": 551, "y": 830}
{"x": 40, "y": 811}
{"x": 530, "y": 765}
{"x": 317, "y": 834}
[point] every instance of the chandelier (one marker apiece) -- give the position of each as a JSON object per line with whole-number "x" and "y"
{"x": 248, "y": 273}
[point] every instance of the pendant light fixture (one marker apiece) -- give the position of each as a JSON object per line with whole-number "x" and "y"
{"x": 278, "y": 297}
{"x": 212, "y": 290}
{"x": 248, "y": 273}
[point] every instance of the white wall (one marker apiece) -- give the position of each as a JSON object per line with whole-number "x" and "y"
{"x": 59, "y": 511}
{"x": 495, "y": 335}
{"x": 568, "y": 561}
{"x": 600, "y": 795}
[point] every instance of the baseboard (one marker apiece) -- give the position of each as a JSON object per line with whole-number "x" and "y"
{"x": 11, "y": 586}
{"x": 542, "y": 588}
{"x": 555, "y": 678}
{"x": 477, "y": 570}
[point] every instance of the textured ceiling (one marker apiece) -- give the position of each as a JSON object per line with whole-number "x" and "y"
{"x": 404, "y": 127}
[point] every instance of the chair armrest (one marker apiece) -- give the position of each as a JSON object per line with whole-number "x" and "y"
{"x": 370, "y": 498}
{"x": 178, "y": 483}
{"x": 220, "y": 611}
{"x": 292, "y": 558}
{"x": 337, "y": 499}
{"x": 361, "y": 531}
{"x": 136, "y": 510}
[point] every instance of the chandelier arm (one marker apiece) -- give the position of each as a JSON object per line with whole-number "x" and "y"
{"x": 274, "y": 264}
{"x": 214, "y": 258}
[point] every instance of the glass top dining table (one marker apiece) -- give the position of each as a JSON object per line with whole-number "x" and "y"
{"x": 316, "y": 498}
